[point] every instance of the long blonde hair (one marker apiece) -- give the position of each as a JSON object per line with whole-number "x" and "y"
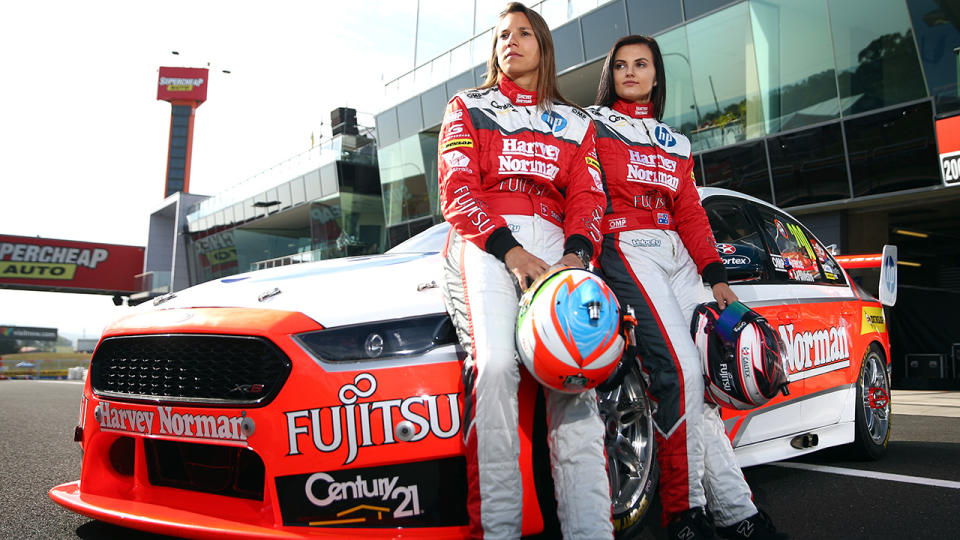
{"x": 548, "y": 90}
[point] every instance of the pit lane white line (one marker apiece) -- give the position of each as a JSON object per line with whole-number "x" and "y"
{"x": 872, "y": 474}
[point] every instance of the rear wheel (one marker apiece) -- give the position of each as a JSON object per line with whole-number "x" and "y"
{"x": 631, "y": 452}
{"x": 872, "y": 407}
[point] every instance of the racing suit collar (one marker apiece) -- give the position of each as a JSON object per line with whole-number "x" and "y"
{"x": 517, "y": 95}
{"x": 633, "y": 109}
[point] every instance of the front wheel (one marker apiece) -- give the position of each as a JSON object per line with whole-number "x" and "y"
{"x": 872, "y": 407}
{"x": 631, "y": 452}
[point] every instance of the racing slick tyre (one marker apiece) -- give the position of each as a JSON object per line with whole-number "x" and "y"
{"x": 631, "y": 452}
{"x": 872, "y": 407}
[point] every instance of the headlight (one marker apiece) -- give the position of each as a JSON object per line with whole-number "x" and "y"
{"x": 381, "y": 339}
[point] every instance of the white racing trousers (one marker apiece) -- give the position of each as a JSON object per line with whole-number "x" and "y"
{"x": 651, "y": 271}
{"x": 482, "y": 298}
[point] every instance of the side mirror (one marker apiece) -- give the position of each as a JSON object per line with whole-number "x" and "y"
{"x": 743, "y": 262}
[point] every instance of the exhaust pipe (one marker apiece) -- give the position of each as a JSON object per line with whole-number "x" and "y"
{"x": 807, "y": 440}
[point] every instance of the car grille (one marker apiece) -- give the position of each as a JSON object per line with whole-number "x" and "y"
{"x": 222, "y": 470}
{"x": 189, "y": 368}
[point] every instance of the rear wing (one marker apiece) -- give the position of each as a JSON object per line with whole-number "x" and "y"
{"x": 886, "y": 262}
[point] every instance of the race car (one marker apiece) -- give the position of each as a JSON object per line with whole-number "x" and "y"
{"x": 325, "y": 399}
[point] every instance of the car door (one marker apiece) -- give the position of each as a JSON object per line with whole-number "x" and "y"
{"x": 758, "y": 276}
{"x": 818, "y": 330}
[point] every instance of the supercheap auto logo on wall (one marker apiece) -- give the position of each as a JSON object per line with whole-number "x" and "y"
{"x": 43, "y": 263}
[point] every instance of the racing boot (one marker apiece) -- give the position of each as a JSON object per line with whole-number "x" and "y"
{"x": 692, "y": 524}
{"x": 756, "y": 527}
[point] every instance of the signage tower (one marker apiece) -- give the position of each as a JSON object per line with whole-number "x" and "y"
{"x": 185, "y": 89}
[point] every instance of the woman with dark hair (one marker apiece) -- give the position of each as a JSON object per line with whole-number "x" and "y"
{"x": 657, "y": 246}
{"x": 521, "y": 188}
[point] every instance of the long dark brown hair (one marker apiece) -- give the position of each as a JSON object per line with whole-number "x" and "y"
{"x": 548, "y": 90}
{"x": 606, "y": 90}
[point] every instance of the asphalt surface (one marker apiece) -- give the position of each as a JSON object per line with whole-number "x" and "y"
{"x": 37, "y": 452}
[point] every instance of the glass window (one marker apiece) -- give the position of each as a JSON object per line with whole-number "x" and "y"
{"x": 875, "y": 52}
{"x": 214, "y": 255}
{"x": 647, "y": 17}
{"x": 794, "y": 63}
{"x": 725, "y": 83}
{"x": 568, "y": 45}
{"x": 680, "y": 108}
{"x": 602, "y": 28}
{"x": 790, "y": 247}
{"x": 409, "y": 190}
{"x": 255, "y": 245}
{"x": 695, "y": 8}
{"x": 555, "y": 12}
{"x": 482, "y": 46}
{"x": 808, "y": 166}
{"x": 442, "y": 26}
{"x": 487, "y": 14}
{"x": 738, "y": 240}
{"x": 741, "y": 168}
{"x": 937, "y": 24}
{"x": 892, "y": 150}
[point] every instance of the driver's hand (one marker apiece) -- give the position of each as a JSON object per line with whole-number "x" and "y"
{"x": 724, "y": 295}
{"x": 571, "y": 259}
{"x": 525, "y": 266}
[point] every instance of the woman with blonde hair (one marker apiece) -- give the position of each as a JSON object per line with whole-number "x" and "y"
{"x": 521, "y": 188}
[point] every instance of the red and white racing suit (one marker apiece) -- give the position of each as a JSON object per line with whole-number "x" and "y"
{"x": 657, "y": 243}
{"x": 513, "y": 174}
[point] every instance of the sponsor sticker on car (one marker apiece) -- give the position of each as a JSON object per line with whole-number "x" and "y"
{"x": 422, "y": 494}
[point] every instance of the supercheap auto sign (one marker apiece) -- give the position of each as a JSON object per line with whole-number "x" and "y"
{"x": 178, "y": 84}
{"x": 66, "y": 265}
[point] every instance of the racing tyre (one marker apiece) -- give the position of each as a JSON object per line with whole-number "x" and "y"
{"x": 872, "y": 407}
{"x": 631, "y": 452}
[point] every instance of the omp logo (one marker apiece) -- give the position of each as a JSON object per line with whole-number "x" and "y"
{"x": 356, "y": 425}
{"x": 454, "y": 115}
{"x": 815, "y": 352}
{"x": 873, "y": 321}
{"x": 456, "y": 159}
{"x": 618, "y": 223}
{"x": 556, "y": 122}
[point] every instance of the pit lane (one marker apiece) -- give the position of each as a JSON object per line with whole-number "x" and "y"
{"x": 914, "y": 491}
